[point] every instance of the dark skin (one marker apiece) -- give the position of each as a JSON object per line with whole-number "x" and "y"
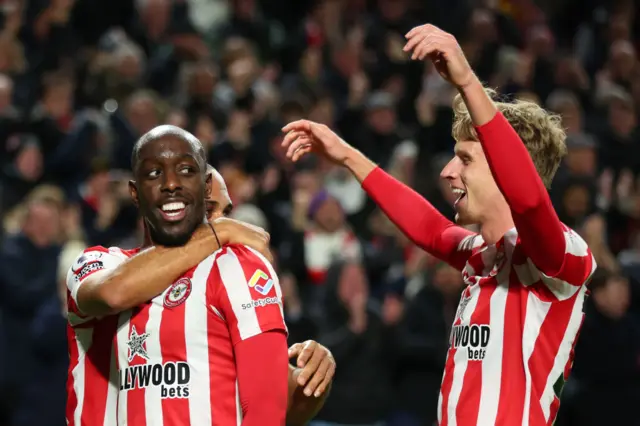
{"x": 170, "y": 170}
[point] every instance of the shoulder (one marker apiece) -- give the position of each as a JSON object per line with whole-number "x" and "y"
{"x": 234, "y": 265}
{"x": 234, "y": 255}
{"x": 97, "y": 258}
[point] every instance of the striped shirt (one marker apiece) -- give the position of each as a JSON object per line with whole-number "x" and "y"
{"x": 169, "y": 361}
{"x": 511, "y": 344}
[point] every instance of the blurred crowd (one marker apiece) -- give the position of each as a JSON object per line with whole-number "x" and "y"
{"x": 81, "y": 80}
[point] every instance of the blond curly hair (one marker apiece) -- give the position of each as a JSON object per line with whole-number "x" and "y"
{"x": 540, "y": 131}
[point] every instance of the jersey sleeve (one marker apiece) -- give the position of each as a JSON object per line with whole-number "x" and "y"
{"x": 577, "y": 267}
{"x": 91, "y": 261}
{"x": 420, "y": 221}
{"x": 246, "y": 292}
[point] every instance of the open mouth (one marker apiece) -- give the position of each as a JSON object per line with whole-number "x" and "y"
{"x": 174, "y": 211}
{"x": 460, "y": 193}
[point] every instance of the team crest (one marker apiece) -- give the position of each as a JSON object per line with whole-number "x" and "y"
{"x": 177, "y": 293}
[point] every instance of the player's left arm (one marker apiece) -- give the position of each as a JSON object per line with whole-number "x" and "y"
{"x": 553, "y": 250}
{"x": 250, "y": 300}
{"x": 309, "y": 382}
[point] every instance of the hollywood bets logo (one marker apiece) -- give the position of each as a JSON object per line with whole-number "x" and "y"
{"x": 172, "y": 377}
{"x": 473, "y": 338}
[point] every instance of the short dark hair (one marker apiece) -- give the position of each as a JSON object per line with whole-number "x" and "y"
{"x": 168, "y": 130}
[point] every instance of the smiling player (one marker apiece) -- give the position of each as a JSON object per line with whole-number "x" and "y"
{"x": 526, "y": 273}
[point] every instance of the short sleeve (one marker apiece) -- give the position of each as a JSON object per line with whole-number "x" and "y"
{"x": 246, "y": 293}
{"x": 577, "y": 267}
{"x": 89, "y": 262}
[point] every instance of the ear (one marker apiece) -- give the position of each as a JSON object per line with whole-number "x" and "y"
{"x": 133, "y": 191}
{"x": 208, "y": 186}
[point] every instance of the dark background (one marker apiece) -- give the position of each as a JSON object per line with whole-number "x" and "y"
{"x": 81, "y": 80}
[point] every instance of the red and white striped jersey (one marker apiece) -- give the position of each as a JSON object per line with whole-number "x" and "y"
{"x": 169, "y": 361}
{"x": 511, "y": 344}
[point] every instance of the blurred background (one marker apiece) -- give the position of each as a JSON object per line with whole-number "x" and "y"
{"x": 81, "y": 80}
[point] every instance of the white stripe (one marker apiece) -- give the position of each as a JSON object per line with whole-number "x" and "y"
{"x": 492, "y": 363}
{"x": 110, "y": 415}
{"x": 239, "y": 415}
{"x": 460, "y": 360}
{"x": 575, "y": 245}
{"x": 122, "y": 337}
{"x": 274, "y": 277}
{"x": 152, "y": 394}
{"x": 197, "y": 341}
{"x": 238, "y": 292}
{"x": 563, "y": 353}
{"x": 536, "y": 313}
{"x": 84, "y": 339}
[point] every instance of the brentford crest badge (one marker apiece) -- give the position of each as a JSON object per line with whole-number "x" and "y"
{"x": 177, "y": 293}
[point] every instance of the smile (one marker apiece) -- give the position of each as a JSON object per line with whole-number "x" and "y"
{"x": 173, "y": 212}
{"x": 460, "y": 193}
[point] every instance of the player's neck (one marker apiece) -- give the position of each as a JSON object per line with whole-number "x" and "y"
{"x": 146, "y": 243}
{"x": 494, "y": 228}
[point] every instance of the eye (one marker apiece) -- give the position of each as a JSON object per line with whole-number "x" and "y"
{"x": 153, "y": 174}
{"x": 466, "y": 160}
{"x": 185, "y": 170}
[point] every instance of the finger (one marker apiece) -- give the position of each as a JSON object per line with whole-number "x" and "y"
{"x": 295, "y": 350}
{"x": 415, "y": 30}
{"x": 296, "y": 144}
{"x": 308, "y": 348}
{"x": 425, "y": 49}
{"x": 328, "y": 377}
{"x": 311, "y": 366}
{"x": 300, "y": 152}
{"x": 414, "y": 41}
{"x": 290, "y": 137}
{"x": 299, "y": 125}
{"x": 318, "y": 377}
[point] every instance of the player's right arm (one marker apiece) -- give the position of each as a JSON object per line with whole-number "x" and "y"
{"x": 415, "y": 216}
{"x": 109, "y": 285}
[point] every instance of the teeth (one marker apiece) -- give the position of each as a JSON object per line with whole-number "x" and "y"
{"x": 458, "y": 191}
{"x": 172, "y": 207}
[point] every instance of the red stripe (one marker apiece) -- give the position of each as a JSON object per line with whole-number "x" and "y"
{"x": 447, "y": 381}
{"x": 173, "y": 346}
{"x": 469, "y": 401}
{"x": 544, "y": 353}
{"x": 576, "y": 269}
{"x": 72, "y": 398}
{"x": 512, "y": 380}
{"x": 97, "y": 370}
{"x": 136, "y": 409}
{"x": 222, "y": 368}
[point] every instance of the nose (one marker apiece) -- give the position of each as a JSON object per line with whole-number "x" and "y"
{"x": 171, "y": 182}
{"x": 452, "y": 170}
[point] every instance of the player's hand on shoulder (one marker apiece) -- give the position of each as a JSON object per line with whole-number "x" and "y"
{"x": 315, "y": 367}
{"x": 304, "y": 136}
{"x": 429, "y": 41}
{"x": 231, "y": 231}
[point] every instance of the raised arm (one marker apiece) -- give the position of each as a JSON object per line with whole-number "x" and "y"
{"x": 539, "y": 229}
{"x": 414, "y": 215}
{"x": 100, "y": 285}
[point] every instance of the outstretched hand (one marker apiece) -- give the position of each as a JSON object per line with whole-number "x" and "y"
{"x": 445, "y": 52}
{"x": 304, "y": 136}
